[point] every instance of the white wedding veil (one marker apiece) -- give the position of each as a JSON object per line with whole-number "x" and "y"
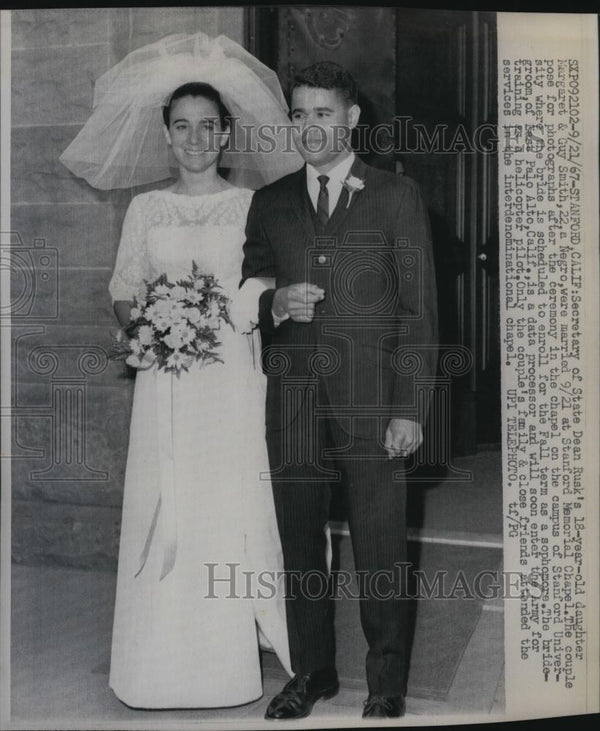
{"x": 122, "y": 144}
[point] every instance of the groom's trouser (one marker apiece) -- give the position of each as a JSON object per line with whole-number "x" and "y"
{"x": 376, "y": 509}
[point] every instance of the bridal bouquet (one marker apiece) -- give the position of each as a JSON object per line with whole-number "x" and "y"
{"x": 175, "y": 325}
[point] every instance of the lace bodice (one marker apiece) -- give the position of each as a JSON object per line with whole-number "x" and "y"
{"x": 164, "y": 232}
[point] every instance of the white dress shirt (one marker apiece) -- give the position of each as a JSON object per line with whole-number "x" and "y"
{"x": 336, "y": 176}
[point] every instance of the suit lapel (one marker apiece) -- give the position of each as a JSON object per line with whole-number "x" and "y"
{"x": 346, "y": 202}
{"x": 301, "y": 203}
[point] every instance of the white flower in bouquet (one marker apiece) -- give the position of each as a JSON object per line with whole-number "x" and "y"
{"x": 178, "y": 337}
{"x": 173, "y": 341}
{"x": 164, "y": 313}
{"x": 195, "y": 298}
{"x": 162, "y": 309}
{"x": 162, "y": 290}
{"x": 186, "y": 333}
{"x": 150, "y": 312}
{"x": 178, "y": 292}
{"x": 193, "y": 315}
{"x": 161, "y": 322}
{"x": 178, "y": 360}
{"x": 178, "y": 312}
{"x": 135, "y": 346}
{"x": 213, "y": 319}
{"x": 145, "y": 335}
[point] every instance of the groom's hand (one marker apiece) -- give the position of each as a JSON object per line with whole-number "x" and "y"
{"x": 402, "y": 437}
{"x": 298, "y": 301}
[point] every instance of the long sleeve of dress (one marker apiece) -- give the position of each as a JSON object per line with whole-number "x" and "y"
{"x": 132, "y": 266}
{"x": 259, "y": 261}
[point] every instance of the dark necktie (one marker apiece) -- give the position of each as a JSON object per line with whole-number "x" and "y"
{"x": 323, "y": 201}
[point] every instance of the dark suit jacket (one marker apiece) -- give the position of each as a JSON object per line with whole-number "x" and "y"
{"x": 376, "y": 329}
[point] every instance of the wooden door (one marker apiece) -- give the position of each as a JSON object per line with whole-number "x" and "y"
{"x": 434, "y": 72}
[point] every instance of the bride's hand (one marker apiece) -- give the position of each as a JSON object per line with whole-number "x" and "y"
{"x": 122, "y": 310}
{"x": 243, "y": 307}
{"x": 241, "y": 315}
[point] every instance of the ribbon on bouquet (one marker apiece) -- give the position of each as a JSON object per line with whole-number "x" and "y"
{"x": 166, "y": 503}
{"x": 244, "y": 313}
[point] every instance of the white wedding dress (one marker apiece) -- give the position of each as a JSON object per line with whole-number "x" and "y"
{"x": 190, "y": 639}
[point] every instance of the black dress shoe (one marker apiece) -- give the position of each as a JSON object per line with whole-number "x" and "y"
{"x": 300, "y": 694}
{"x": 379, "y": 706}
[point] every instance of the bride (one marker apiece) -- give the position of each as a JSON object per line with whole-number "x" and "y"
{"x": 200, "y": 568}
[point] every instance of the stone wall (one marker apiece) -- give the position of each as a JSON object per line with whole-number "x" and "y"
{"x": 71, "y": 406}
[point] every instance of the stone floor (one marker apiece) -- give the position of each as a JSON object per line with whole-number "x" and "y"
{"x": 61, "y": 631}
{"x": 61, "y": 624}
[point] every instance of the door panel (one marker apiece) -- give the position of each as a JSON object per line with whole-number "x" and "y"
{"x": 310, "y": 34}
{"x": 431, "y": 63}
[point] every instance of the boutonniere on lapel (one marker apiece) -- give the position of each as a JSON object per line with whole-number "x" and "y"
{"x": 353, "y": 185}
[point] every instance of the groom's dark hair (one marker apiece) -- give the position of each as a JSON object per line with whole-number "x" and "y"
{"x": 328, "y": 75}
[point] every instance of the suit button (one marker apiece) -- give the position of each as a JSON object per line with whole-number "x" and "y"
{"x": 321, "y": 259}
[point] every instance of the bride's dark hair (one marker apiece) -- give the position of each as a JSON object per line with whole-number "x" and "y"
{"x": 194, "y": 89}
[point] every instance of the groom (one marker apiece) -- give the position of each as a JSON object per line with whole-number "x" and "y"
{"x": 353, "y": 310}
